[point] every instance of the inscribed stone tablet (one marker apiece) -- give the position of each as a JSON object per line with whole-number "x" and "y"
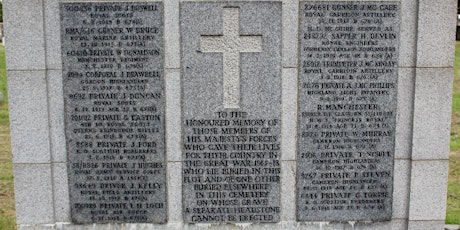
{"x": 114, "y": 109}
{"x": 231, "y": 79}
{"x": 347, "y": 98}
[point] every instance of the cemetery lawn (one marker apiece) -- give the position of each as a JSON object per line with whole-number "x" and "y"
{"x": 453, "y": 195}
{"x": 7, "y": 212}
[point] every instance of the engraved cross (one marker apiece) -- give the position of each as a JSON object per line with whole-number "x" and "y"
{"x": 231, "y": 44}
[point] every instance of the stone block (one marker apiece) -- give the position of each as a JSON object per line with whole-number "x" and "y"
{"x": 68, "y": 226}
{"x": 428, "y": 190}
{"x": 289, "y": 108}
{"x": 288, "y": 170}
{"x": 408, "y": 34}
{"x": 36, "y": 227}
{"x": 426, "y": 225}
{"x": 24, "y": 22}
{"x": 290, "y": 33}
{"x": 432, "y": 111}
{"x": 404, "y": 117}
{"x": 320, "y": 225}
{"x": 33, "y": 194}
{"x": 56, "y": 118}
{"x": 395, "y": 224}
{"x": 52, "y": 34}
{"x": 172, "y": 36}
{"x": 61, "y": 193}
{"x": 28, "y": 107}
{"x": 175, "y": 192}
{"x": 401, "y": 185}
{"x": 173, "y": 114}
{"x": 436, "y": 34}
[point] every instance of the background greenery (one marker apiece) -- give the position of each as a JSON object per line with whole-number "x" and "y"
{"x": 453, "y": 195}
{"x": 7, "y": 212}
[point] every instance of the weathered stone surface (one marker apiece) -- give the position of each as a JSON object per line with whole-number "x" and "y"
{"x": 113, "y": 59}
{"x": 347, "y": 99}
{"x": 231, "y": 79}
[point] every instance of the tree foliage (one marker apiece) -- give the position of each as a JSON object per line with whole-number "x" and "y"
{"x": 1, "y": 11}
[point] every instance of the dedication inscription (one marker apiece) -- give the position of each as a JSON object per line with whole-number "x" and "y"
{"x": 114, "y": 110}
{"x": 231, "y": 79}
{"x": 347, "y": 99}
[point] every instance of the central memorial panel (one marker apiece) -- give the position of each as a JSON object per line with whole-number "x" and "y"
{"x": 231, "y": 105}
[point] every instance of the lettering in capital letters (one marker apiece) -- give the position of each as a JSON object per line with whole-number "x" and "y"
{"x": 231, "y": 44}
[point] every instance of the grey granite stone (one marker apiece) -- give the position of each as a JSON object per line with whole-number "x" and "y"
{"x": 440, "y": 29}
{"x": 407, "y": 43}
{"x": 288, "y": 169}
{"x": 24, "y": 21}
{"x": 401, "y": 189}
{"x": 428, "y": 190}
{"x": 56, "y": 111}
{"x": 33, "y": 194}
{"x": 28, "y": 108}
{"x": 172, "y": 41}
{"x": 432, "y": 111}
{"x": 173, "y": 114}
{"x": 37, "y": 111}
{"x": 289, "y": 121}
{"x": 61, "y": 193}
{"x": 113, "y": 73}
{"x": 52, "y": 34}
{"x": 175, "y": 192}
{"x": 452, "y": 227}
{"x": 394, "y": 224}
{"x": 428, "y": 225}
{"x": 290, "y": 33}
{"x": 36, "y": 227}
{"x": 404, "y": 116}
{"x": 347, "y": 100}
{"x": 231, "y": 85}
{"x": 87, "y": 227}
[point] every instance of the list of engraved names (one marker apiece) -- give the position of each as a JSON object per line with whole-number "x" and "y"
{"x": 114, "y": 111}
{"x": 347, "y": 99}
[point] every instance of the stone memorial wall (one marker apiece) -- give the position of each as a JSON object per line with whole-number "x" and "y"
{"x": 190, "y": 114}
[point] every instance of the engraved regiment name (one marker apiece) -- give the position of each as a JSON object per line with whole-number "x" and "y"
{"x": 231, "y": 79}
{"x": 347, "y": 98}
{"x": 114, "y": 111}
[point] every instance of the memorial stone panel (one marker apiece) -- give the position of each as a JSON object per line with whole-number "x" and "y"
{"x": 114, "y": 111}
{"x": 231, "y": 105}
{"x": 347, "y": 110}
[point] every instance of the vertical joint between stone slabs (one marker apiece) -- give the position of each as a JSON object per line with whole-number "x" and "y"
{"x": 290, "y": 33}
{"x": 51, "y": 144}
{"x": 172, "y": 29}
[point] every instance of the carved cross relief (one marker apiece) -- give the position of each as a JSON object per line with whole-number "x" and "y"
{"x": 231, "y": 44}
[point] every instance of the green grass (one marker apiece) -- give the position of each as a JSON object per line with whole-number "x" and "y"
{"x": 453, "y": 190}
{"x": 455, "y": 128}
{"x": 7, "y": 211}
